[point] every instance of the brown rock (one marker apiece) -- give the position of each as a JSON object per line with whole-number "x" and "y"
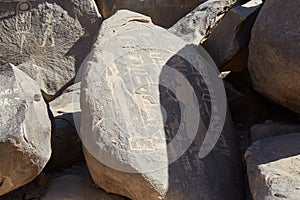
{"x": 274, "y": 53}
{"x": 162, "y": 12}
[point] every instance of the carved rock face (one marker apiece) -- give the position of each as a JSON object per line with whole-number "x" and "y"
{"x": 162, "y": 12}
{"x": 25, "y": 129}
{"x": 52, "y": 39}
{"x": 148, "y": 99}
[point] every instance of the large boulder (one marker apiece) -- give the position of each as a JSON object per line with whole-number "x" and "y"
{"x": 232, "y": 35}
{"x": 25, "y": 129}
{"x": 196, "y": 26}
{"x": 273, "y": 166}
{"x": 162, "y": 12}
{"x": 49, "y": 39}
{"x": 153, "y": 109}
{"x": 274, "y": 53}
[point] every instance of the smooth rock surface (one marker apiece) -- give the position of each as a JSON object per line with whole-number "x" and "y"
{"x": 25, "y": 129}
{"x": 273, "y": 166}
{"x": 196, "y": 26}
{"x": 232, "y": 33}
{"x": 274, "y": 61}
{"x": 50, "y": 40}
{"x": 145, "y": 104}
{"x": 162, "y": 12}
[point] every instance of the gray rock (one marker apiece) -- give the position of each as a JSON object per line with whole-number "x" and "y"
{"x": 274, "y": 53}
{"x": 65, "y": 143}
{"x": 25, "y": 129}
{"x": 76, "y": 187}
{"x": 67, "y": 102}
{"x": 232, "y": 33}
{"x": 196, "y": 26}
{"x": 162, "y": 12}
{"x": 145, "y": 105}
{"x": 269, "y": 128}
{"x": 273, "y": 166}
{"x": 48, "y": 40}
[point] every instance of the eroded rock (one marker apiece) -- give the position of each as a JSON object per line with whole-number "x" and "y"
{"x": 145, "y": 105}
{"x": 196, "y": 26}
{"x": 25, "y": 129}
{"x": 232, "y": 34}
{"x": 273, "y": 166}
{"x": 48, "y": 39}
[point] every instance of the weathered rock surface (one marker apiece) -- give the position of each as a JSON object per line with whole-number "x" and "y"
{"x": 67, "y": 102}
{"x": 232, "y": 34}
{"x": 196, "y": 26}
{"x": 274, "y": 53}
{"x": 51, "y": 38}
{"x": 273, "y": 166}
{"x": 139, "y": 106}
{"x": 25, "y": 129}
{"x": 268, "y": 129}
{"x": 76, "y": 187}
{"x": 162, "y": 12}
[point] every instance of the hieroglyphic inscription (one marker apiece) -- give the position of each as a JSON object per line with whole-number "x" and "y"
{"x": 23, "y": 22}
{"x": 48, "y": 22}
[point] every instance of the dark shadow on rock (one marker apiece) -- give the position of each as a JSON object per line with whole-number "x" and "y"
{"x": 219, "y": 174}
{"x": 66, "y": 144}
{"x": 274, "y": 148}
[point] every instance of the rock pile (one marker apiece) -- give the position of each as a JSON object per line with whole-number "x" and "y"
{"x": 155, "y": 99}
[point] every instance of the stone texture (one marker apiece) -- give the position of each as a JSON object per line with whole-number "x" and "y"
{"x": 49, "y": 39}
{"x": 76, "y": 187}
{"x": 25, "y": 129}
{"x": 273, "y": 166}
{"x": 139, "y": 113}
{"x": 65, "y": 143}
{"x": 232, "y": 34}
{"x": 196, "y": 26}
{"x": 274, "y": 53}
{"x": 162, "y": 12}
{"x": 269, "y": 128}
{"x": 67, "y": 102}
